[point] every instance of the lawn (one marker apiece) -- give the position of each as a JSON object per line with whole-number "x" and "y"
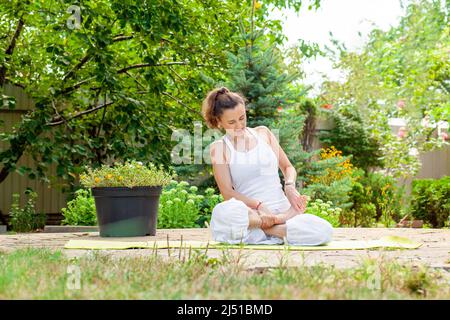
{"x": 45, "y": 274}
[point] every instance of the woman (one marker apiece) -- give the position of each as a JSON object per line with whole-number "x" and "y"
{"x": 245, "y": 164}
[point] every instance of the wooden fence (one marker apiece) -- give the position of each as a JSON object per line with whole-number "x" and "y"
{"x": 50, "y": 200}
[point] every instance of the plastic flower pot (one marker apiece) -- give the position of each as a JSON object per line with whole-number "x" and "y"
{"x": 127, "y": 212}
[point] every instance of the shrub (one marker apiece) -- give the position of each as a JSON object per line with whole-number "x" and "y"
{"x": 181, "y": 207}
{"x": 210, "y": 200}
{"x": 129, "y": 174}
{"x": 386, "y": 196}
{"x": 335, "y": 180}
{"x": 363, "y": 216}
{"x": 325, "y": 210}
{"x": 81, "y": 210}
{"x": 26, "y": 219}
{"x": 375, "y": 198}
{"x": 430, "y": 201}
{"x": 351, "y": 135}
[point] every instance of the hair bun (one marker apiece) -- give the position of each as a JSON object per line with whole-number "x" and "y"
{"x": 223, "y": 90}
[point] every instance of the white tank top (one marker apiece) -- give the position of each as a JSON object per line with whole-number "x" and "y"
{"x": 255, "y": 173}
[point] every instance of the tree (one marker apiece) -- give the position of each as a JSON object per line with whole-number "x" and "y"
{"x": 110, "y": 79}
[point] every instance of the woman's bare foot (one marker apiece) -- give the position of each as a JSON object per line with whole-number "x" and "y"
{"x": 285, "y": 216}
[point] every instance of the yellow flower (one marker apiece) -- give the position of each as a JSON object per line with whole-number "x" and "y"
{"x": 257, "y": 5}
{"x": 97, "y": 180}
{"x": 109, "y": 176}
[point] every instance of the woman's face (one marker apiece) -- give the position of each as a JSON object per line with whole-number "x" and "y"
{"x": 234, "y": 120}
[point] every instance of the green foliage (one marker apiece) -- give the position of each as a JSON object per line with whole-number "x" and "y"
{"x": 386, "y": 196}
{"x": 404, "y": 73}
{"x": 81, "y": 210}
{"x": 375, "y": 198}
{"x": 209, "y": 201}
{"x": 180, "y": 206}
{"x": 351, "y": 135}
{"x": 332, "y": 178}
{"x": 259, "y": 73}
{"x": 325, "y": 210}
{"x": 362, "y": 213}
{"x": 289, "y": 125}
{"x": 128, "y": 174}
{"x": 25, "y": 219}
{"x": 117, "y": 85}
{"x": 337, "y": 192}
{"x": 294, "y": 135}
{"x": 430, "y": 201}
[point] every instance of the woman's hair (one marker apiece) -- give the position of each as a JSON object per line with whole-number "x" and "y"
{"x": 216, "y": 102}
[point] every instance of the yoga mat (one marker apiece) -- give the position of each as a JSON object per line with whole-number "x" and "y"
{"x": 393, "y": 242}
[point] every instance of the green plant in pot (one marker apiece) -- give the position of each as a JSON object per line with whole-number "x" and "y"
{"x": 126, "y": 197}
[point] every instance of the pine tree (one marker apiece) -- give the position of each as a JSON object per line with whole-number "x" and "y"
{"x": 259, "y": 73}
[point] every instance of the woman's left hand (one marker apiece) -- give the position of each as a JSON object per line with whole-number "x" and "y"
{"x": 298, "y": 201}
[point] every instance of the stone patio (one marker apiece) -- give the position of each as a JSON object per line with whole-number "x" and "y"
{"x": 435, "y": 251}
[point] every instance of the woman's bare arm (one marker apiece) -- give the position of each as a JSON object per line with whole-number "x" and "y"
{"x": 289, "y": 172}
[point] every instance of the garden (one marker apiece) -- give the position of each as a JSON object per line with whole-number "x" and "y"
{"x": 101, "y": 107}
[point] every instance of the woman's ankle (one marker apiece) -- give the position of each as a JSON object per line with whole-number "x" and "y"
{"x": 254, "y": 220}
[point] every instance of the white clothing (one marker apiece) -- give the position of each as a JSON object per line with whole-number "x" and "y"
{"x": 255, "y": 174}
{"x": 229, "y": 224}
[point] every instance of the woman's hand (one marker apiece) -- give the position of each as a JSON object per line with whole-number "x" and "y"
{"x": 267, "y": 217}
{"x": 298, "y": 201}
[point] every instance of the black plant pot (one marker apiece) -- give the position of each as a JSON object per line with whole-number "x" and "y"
{"x": 127, "y": 212}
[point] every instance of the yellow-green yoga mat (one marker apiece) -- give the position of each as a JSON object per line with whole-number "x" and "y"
{"x": 393, "y": 242}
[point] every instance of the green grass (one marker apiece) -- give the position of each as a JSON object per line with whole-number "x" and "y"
{"x": 42, "y": 274}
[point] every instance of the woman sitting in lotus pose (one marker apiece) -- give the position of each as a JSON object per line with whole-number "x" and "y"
{"x": 245, "y": 162}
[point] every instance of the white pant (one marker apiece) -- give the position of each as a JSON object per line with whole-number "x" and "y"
{"x": 229, "y": 224}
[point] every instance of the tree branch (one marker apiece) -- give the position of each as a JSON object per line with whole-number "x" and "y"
{"x": 179, "y": 77}
{"x": 57, "y": 122}
{"x": 69, "y": 74}
{"x": 122, "y": 38}
{"x": 9, "y": 51}
{"x": 136, "y": 80}
{"x": 76, "y": 85}
{"x": 147, "y": 65}
{"x": 180, "y": 102}
{"x": 87, "y": 57}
